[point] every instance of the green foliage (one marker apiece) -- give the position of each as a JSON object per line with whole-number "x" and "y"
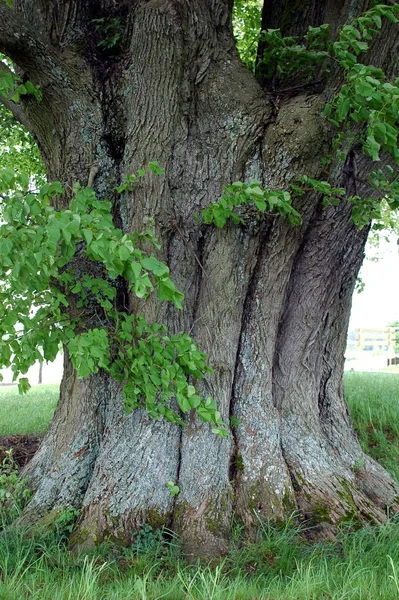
{"x": 17, "y": 147}
{"x": 12, "y": 88}
{"x": 331, "y": 195}
{"x": 245, "y": 200}
{"x": 365, "y": 109}
{"x": 173, "y": 488}
{"x": 147, "y": 541}
{"x": 109, "y": 30}
{"x": 61, "y": 271}
{"x": 286, "y": 56}
{"x": 373, "y": 404}
{"x": 366, "y": 97}
{"x": 63, "y": 525}
{"x": 247, "y": 16}
{"x": 13, "y": 491}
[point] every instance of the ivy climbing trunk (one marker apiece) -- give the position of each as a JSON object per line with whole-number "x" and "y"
{"x": 268, "y": 302}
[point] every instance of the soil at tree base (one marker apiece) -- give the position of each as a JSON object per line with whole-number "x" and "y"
{"x": 23, "y": 447}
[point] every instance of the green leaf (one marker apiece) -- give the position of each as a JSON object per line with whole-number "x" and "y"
{"x": 66, "y": 234}
{"x": 124, "y": 253}
{"x": 254, "y": 191}
{"x": 372, "y": 147}
{"x": 194, "y": 401}
{"x": 260, "y": 205}
{"x": 154, "y": 167}
{"x": 150, "y": 263}
{"x": 183, "y": 402}
{"x": 23, "y": 385}
{"x": 205, "y": 414}
{"x": 168, "y": 291}
{"x": 190, "y": 390}
{"x": 87, "y": 235}
{"x": 173, "y": 488}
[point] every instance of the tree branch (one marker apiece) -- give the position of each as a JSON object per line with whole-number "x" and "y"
{"x": 13, "y": 30}
{"x": 19, "y": 39}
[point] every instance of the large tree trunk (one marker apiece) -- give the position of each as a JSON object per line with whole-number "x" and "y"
{"x": 268, "y": 302}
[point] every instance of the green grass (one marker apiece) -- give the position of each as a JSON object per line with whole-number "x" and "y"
{"x": 359, "y": 565}
{"x": 280, "y": 565}
{"x": 373, "y": 400}
{"x": 29, "y": 414}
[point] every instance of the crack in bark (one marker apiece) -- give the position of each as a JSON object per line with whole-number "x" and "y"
{"x": 246, "y": 311}
{"x": 199, "y": 256}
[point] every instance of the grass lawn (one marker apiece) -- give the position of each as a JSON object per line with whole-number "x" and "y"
{"x": 373, "y": 400}
{"x": 29, "y": 414}
{"x": 280, "y": 565}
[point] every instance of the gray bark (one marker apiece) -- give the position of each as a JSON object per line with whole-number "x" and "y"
{"x": 268, "y": 302}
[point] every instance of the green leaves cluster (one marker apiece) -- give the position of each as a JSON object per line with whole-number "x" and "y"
{"x": 364, "y": 209}
{"x": 17, "y": 147}
{"x": 12, "y": 88}
{"x": 243, "y": 200}
{"x": 109, "y": 33}
{"x": 14, "y": 493}
{"x": 331, "y": 195}
{"x": 61, "y": 272}
{"x": 286, "y": 56}
{"x": 173, "y": 488}
{"x": 366, "y": 98}
{"x": 365, "y": 109}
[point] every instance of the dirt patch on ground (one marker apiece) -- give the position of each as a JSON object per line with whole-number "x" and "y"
{"x": 23, "y": 447}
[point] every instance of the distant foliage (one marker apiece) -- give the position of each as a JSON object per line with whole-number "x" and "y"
{"x": 18, "y": 149}
{"x": 247, "y": 17}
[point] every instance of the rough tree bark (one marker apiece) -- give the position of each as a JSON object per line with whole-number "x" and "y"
{"x": 268, "y": 302}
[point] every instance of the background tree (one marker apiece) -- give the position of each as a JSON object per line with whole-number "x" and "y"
{"x": 396, "y": 325}
{"x": 125, "y": 83}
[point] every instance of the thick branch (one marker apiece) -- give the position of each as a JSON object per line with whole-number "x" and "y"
{"x": 24, "y": 42}
{"x": 60, "y": 74}
{"x": 18, "y": 39}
